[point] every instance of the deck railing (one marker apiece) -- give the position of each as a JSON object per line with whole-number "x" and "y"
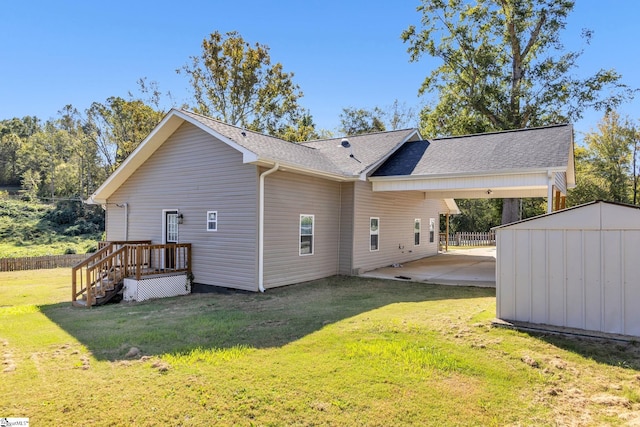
{"x": 117, "y": 260}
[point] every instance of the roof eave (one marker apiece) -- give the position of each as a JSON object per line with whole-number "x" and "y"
{"x": 291, "y": 167}
{"x": 470, "y": 173}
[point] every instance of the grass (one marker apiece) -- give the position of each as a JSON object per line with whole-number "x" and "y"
{"x": 30, "y": 229}
{"x": 339, "y": 351}
{"x": 75, "y": 244}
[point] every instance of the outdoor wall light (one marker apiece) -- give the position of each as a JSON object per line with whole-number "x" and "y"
{"x": 180, "y": 218}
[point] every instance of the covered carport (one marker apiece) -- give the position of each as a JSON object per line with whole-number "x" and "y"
{"x": 536, "y": 162}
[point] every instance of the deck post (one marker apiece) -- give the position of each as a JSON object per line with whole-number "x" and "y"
{"x": 138, "y": 258}
{"x": 88, "y": 285}
{"x": 188, "y": 258}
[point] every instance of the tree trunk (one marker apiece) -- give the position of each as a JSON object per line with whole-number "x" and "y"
{"x": 510, "y": 210}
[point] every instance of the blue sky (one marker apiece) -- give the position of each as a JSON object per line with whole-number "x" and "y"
{"x": 343, "y": 53}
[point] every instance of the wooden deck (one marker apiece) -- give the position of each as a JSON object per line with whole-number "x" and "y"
{"x": 100, "y": 277}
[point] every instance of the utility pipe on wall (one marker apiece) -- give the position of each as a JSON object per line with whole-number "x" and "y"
{"x": 263, "y": 175}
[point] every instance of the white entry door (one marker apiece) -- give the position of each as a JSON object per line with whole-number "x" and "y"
{"x": 170, "y": 236}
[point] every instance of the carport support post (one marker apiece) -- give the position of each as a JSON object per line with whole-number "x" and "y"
{"x": 446, "y": 237}
{"x": 549, "y": 192}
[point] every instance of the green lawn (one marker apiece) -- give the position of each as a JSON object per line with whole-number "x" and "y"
{"x": 76, "y": 245}
{"x": 340, "y": 351}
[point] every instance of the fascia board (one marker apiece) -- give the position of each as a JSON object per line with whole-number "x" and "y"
{"x": 467, "y": 174}
{"x": 289, "y": 167}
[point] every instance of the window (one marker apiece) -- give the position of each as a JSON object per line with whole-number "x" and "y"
{"x": 416, "y": 232}
{"x": 212, "y": 220}
{"x": 432, "y": 230}
{"x": 374, "y": 233}
{"x": 306, "y": 234}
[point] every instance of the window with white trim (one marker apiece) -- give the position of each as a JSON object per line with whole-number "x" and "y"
{"x": 212, "y": 220}
{"x": 432, "y": 230}
{"x": 416, "y": 232}
{"x": 306, "y": 234}
{"x": 374, "y": 234}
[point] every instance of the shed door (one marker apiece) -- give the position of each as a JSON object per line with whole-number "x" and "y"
{"x": 170, "y": 236}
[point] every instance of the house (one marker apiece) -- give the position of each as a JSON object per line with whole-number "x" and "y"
{"x": 577, "y": 268}
{"x": 260, "y": 212}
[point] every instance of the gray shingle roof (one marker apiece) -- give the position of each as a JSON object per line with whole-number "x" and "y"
{"x": 535, "y": 148}
{"x": 322, "y": 155}
{"x": 368, "y": 149}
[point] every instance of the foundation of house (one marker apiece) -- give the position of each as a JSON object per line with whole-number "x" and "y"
{"x": 155, "y": 287}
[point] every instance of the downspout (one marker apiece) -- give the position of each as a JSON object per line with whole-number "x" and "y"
{"x": 126, "y": 221}
{"x": 263, "y": 175}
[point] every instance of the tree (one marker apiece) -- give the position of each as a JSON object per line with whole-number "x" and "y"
{"x": 634, "y": 139}
{"x": 400, "y": 116}
{"x": 236, "y": 83}
{"x": 358, "y": 121}
{"x": 304, "y": 130}
{"x": 85, "y": 151}
{"x": 118, "y": 126}
{"x": 589, "y": 186}
{"x": 13, "y": 133}
{"x": 610, "y": 154}
{"x": 504, "y": 67}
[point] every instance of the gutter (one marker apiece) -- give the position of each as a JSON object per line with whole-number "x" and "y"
{"x": 263, "y": 175}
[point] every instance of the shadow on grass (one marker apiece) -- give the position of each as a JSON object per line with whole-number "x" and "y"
{"x": 625, "y": 354}
{"x": 224, "y": 320}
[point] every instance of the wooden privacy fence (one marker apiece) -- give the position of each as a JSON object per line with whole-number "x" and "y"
{"x": 41, "y": 262}
{"x": 470, "y": 238}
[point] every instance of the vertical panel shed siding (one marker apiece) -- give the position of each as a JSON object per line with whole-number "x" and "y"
{"x": 397, "y": 212}
{"x": 287, "y": 196}
{"x": 572, "y": 272}
{"x": 194, "y": 173}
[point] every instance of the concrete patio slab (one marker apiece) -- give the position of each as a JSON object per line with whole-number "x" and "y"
{"x": 467, "y": 267}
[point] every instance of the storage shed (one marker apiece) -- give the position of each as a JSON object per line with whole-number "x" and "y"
{"x": 575, "y": 268}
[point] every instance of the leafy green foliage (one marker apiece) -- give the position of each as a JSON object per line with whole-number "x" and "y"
{"x": 235, "y": 82}
{"x": 118, "y": 126}
{"x": 356, "y": 121}
{"x": 28, "y": 228}
{"x": 606, "y": 167}
{"x": 504, "y": 67}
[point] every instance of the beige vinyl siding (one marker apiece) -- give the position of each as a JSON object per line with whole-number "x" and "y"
{"x": 287, "y": 196}
{"x": 114, "y": 222}
{"x": 397, "y": 212}
{"x": 195, "y": 173}
{"x": 346, "y": 228}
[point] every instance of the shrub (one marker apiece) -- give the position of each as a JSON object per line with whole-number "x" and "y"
{"x": 69, "y": 251}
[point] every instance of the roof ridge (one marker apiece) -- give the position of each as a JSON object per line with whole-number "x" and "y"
{"x": 359, "y": 135}
{"x": 501, "y": 131}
